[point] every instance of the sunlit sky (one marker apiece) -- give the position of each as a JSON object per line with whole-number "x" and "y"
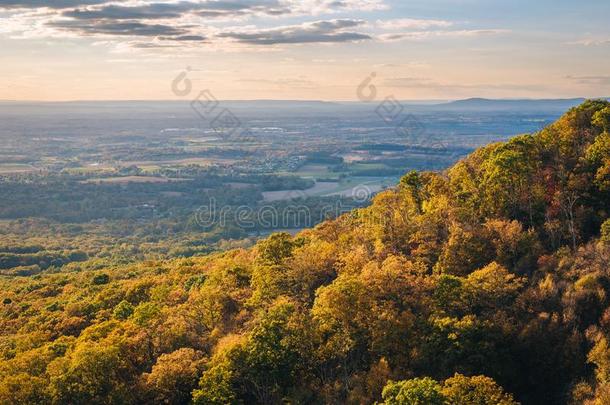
{"x": 312, "y": 49}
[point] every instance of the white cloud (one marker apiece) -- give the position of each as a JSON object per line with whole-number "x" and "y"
{"x": 411, "y": 24}
{"x": 316, "y": 7}
{"x": 326, "y": 31}
{"x": 590, "y": 42}
{"x": 158, "y": 24}
{"x": 422, "y": 35}
{"x": 171, "y": 23}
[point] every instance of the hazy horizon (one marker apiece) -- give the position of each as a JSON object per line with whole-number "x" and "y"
{"x": 345, "y": 102}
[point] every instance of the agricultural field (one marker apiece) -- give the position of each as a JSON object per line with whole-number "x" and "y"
{"x": 138, "y": 176}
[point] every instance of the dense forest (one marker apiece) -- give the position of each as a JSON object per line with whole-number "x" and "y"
{"x": 488, "y": 283}
{"x": 50, "y": 220}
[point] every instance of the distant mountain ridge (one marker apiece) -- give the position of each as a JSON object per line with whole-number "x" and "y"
{"x": 473, "y": 102}
{"x": 561, "y": 104}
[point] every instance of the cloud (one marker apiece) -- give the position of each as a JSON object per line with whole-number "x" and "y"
{"x": 300, "y": 82}
{"x": 127, "y": 28}
{"x": 150, "y": 45}
{"x": 117, "y": 12}
{"x": 590, "y": 42}
{"x": 412, "y": 29}
{"x": 189, "y": 22}
{"x": 317, "y": 7}
{"x": 313, "y": 32}
{"x": 56, "y": 4}
{"x": 422, "y": 35}
{"x": 188, "y": 38}
{"x": 411, "y": 24}
{"x": 176, "y": 22}
{"x": 208, "y": 9}
{"x": 183, "y": 21}
{"x": 80, "y": 9}
{"x": 591, "y": 80}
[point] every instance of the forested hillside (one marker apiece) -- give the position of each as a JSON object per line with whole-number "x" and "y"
{"x": 486, "y": 284}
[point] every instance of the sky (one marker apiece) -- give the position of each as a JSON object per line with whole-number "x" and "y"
{"x": 303, "y": 50}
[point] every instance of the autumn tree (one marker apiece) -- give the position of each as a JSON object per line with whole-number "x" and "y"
{"x": 173, "y": 377}
{"x": 418, "y": 391}
{"x": 476, "y": 390}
